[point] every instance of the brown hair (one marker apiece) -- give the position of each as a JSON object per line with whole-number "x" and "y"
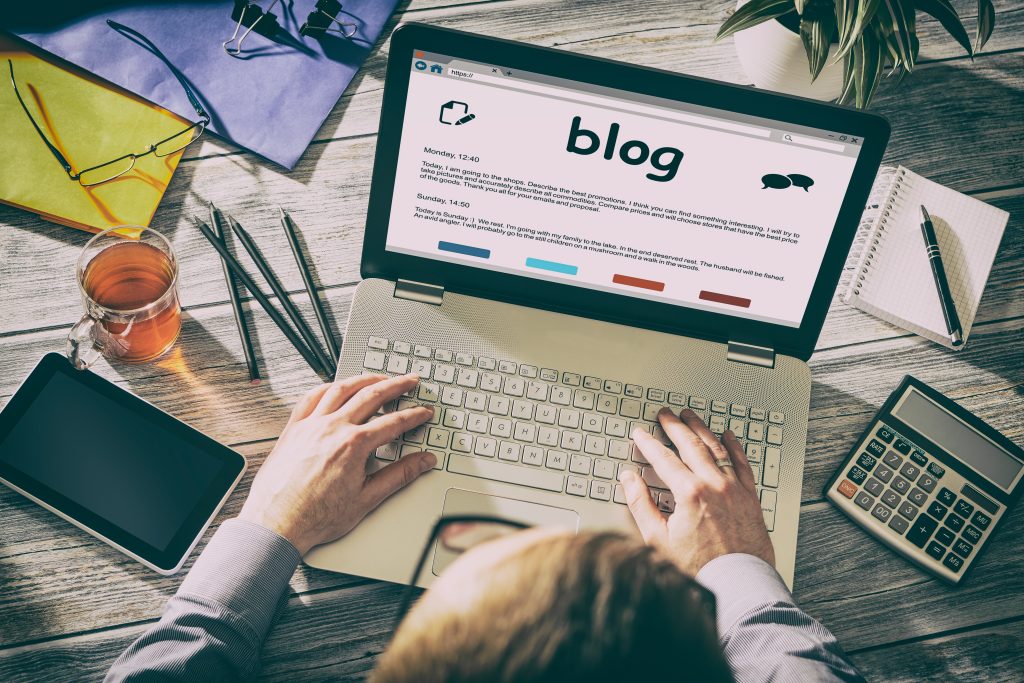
{"x": 592, "y": 607}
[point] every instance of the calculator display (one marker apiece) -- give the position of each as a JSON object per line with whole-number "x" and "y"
{"x": 957, "y": 438}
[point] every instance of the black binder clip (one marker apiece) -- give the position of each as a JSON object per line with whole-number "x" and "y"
{"x": 252, "y": 16}
{"x": 324, "y": 19}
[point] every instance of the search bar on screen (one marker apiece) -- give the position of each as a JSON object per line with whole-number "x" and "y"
{"x": 812, "y": 142}
{"x": 634, "y": 107}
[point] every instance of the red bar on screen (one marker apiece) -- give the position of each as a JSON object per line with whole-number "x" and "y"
{"x": 724, "y": 299}
{"x": 638, "y": 282}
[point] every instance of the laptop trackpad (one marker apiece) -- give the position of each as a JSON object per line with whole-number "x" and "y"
{"x": 461, "y": 502}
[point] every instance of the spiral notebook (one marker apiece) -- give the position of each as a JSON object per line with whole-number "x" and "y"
{"x": 888, "y": 273}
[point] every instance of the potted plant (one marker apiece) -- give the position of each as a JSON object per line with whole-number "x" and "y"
{"x": 839, "y": 49}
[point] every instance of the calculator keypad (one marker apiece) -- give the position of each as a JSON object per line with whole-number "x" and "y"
{"x": 894, "y": 484}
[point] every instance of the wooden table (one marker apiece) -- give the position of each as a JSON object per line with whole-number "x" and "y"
{"x": 69, "y": 604}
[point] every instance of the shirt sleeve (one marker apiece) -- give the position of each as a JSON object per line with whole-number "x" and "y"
{"x": 214, "y": 626}
{"x": 765, "y": 636}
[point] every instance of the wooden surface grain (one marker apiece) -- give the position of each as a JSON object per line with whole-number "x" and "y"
{"x": 69, "y": 605}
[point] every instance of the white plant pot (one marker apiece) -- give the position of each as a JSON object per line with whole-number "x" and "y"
{"x": 774, "y": 58}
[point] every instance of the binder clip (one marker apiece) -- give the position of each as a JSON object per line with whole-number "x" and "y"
{"x": 253, "y": 18}
{"x": 324, "y": 19}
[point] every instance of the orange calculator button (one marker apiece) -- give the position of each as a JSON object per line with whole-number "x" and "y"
{"x": 847, "y": 488}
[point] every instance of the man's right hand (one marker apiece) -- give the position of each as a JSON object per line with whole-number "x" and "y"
{"x": 717, "y": 510}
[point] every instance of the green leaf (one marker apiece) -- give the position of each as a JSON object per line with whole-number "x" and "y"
{"x": 895, "y": 12}
{"x": 752, "y": 14}
{"x": 986, "y": 22}
{"x": 816, "y": 35}
{"x": 800, "y": 5}
{"x": 864, "y": 13}
{"x": 944, "y": 11}
{"x": 846, "y": 14}
{"x": 846, "y": 96}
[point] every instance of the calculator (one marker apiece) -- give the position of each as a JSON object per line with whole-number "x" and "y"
{"x": 930, "y": 480}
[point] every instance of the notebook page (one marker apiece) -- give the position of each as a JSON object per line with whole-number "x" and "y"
{"x": 900, "y": 287}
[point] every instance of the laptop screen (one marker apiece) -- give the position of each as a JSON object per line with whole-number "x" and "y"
{"x": 611, "y": 190}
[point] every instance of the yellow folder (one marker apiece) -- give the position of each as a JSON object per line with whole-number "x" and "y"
{"x": 91, "y": 122}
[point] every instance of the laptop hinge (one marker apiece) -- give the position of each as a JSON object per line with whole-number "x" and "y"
{"x": 419, "y": 291}
{"x": 751, "y": 355}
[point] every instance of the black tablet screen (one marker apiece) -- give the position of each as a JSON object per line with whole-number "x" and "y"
{"x": 89, "y": 444}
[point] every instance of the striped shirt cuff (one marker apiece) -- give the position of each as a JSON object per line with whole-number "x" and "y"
{"x": 741, "y": 583}
{"x": 246, "y": 568}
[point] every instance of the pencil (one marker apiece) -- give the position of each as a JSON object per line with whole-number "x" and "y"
{"x": 286, "y": 302}
{"x": 307, "y": 279}
{"x": 236, "y": 306}
{"x": 260, "y": 297}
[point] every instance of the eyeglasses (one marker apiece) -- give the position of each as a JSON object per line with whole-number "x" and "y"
{"x": 452, "y": 536}
{"x": 107, "y": 171}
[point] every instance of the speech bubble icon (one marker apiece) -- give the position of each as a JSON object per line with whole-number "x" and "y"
{"x": 801, "y": 181}
{"x": 776, "y": 181}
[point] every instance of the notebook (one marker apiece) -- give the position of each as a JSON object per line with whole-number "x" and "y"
{"x": 888, "y": 274}
{"x": 90, "y": 122}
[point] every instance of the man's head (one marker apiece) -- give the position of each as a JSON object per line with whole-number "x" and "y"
{"x": 548, "y": 606}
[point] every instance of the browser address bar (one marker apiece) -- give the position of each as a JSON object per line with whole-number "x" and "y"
{"x": 591, "y": 99}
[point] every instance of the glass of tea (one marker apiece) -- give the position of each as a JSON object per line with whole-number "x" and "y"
{"x": 128, "y": 278}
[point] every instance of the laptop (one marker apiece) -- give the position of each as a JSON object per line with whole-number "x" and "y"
{"x": 561, "y": 245}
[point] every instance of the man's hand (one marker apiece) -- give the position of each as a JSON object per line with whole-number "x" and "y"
{"x": 313, "y": 488}
{"x": 717, "y": 511}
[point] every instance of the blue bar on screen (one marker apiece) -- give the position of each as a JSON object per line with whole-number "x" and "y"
{"x": 464, "y": 249}
{"x": 554, "y": 267}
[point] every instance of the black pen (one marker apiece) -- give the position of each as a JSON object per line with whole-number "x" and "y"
{"x": 260, "y": 297}
{"x": 956, "y": 334}
{"x": 236, "y": 306}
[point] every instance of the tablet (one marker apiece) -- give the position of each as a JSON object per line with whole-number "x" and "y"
{"x": 112, "y": 464}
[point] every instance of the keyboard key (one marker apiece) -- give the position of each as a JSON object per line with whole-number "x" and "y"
{"x": 636, "y": 456}
{"x": 755, "y": 431}
{"x": 927, "y": 482}
{"x": 501, "y": 427}
{"x": 772, "y": 463}
{"x": 873, "y": 486}
{"x": 515, "y": 386}
{"x": 755, "y": 452}
{"x": 377, "y": 343}
{"x": 477, "y": 423}
{"x": 537, "y": 391}
{"x": 946, "y": 497}
{"x": 857, "y": 475}
{"x": 528, "y": 371}
{"x": 618, "y": 449}
{"x": 401, "y": 347}
{"x": 737, "y": 410}
{"x": 981, "y": 520}
{"x": 594, "y": 445}
{"x": 620, "y": 495}
{"x": 416, "y": 434}
{"x": 444, "y": 373}
{"x": 847, "y": 488}
{"x": 737, "y": 427}
{"x": 900, "y": 484}
{"x": 962, "y": 548}
{"x": 443, "y": 355}
{"x": 628, "y": 408}
{"x": 485, "y": 363}
{"x": 657, "y": 395}
{"x": 607, "y": 404}
{"x": 572, "y": 441}
{"x": 953, "y": 563}
{"x": 577, "y": 486}
{"x": 984, "y": 503}
{"x": 936, "y": 470}
{"x": 918, "y": 458}
{"x": 651, "y": 411}
{"x": 468, "y": 377}
{"x": 509, "y": 451}
{"x": 456, "y": 419}
{"x": 652, "y": 478}
{"x": 522, "y": 410}
{"x": 893, "y": 460}
{"x": 462, "y": 442}
{"x": 902, "y": 446}
{"x": 571, "y": 378}
{"x": 972, "y": 534}
{"x": 499, "y": 471}
{"x": 769, "y": 499}
{"x": 776, "y": 417}
{"x": 567, "y": 417}
{"x": 954, "y": 522}
{"x": 898, "y": 524}
{"x": 561, "y": 396}
{"x": 421, "y": 351}
{"x": 498, "y": 405}
{"x": 614, "y": 426}
{"x": 438, "y": 438}
{"x": 388, "y": 451}
{"x": 963, "y": 508}
{"x": 524, "y": 431}
{"x": 935, "y": 550}
{"x": 937, "y": 510}
{"x": 698, "y": 403}
{"x": 600, "y": 490}
{"x": 758, "y": 414}
{"x": 922, "y": 530}
{"x": 532, "y": 455}
{"x": 908, "y": 510}
{"x": 944, "y": 536}
{"x": 604, "y": 469}
{"x": 881, "y": 513}
{"x": 910, "y": 470}
{"x": 546, "y": 414}
{"x": 592, "y": 383}
{"x": 917, "y": 497}
{"x": 409, "y": 450}
{"x": 612, "y": 387}
{"x": 549, "y": 375}
{"x": 490, "y": 382}
{"x": 583, "y": 399}
{"x": 890, "y": 499}
{"x": 548, "y": 436}
{"x": 451, "y": 396}
{"x": 421, "y": 368}
{"x": 374, "y": 360}
{"x": 677, "y": 399}
{"x": 876, "y": 448}
{"x": 864, "y": 500}
{"x": 507, "y": 366}
{"x": 883, "y": 473}
{"x": 666, "y": 502}
{"x": 557, "y": 460}
{"x": 486, "y": 447}
{"x": 719, "y": 407}
{"x": 634, "y": 391}
{"x": 774, "y": 435}
{"x": 866, "y": 462}
{"x": 885, "y": 434}
{"x": 428, "y": 392}
{"x": 717, "y": 424}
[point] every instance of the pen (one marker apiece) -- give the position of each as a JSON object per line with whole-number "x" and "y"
{"x": 286, "y": 302}
{"x": 260, "y": 297}
{"x": 236, "y": 306}
{"x": 956, "y": 334}
{"x": 307, "y": 279}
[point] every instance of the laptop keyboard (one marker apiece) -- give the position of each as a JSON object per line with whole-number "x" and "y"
{"x": 553, "y": 429}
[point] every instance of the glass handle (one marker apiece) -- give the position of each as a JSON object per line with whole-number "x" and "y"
{"x": 82, "y": 346}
